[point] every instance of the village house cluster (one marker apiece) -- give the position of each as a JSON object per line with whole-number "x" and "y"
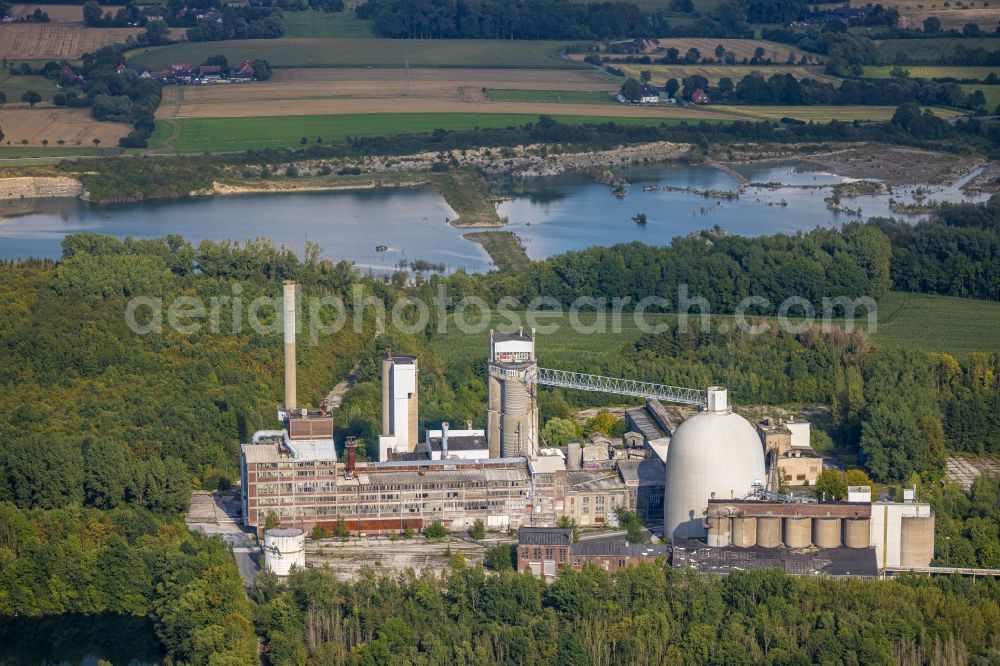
{"x": 185, "y": 74}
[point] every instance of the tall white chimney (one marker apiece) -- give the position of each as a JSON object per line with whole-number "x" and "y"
{"x": 289, "y": 309}
{"x": 444, "y": 440}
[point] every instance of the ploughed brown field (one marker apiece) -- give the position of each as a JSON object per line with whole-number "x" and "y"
{"x": 74, "y": 126}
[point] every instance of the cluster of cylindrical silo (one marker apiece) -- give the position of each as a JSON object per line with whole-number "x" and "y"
{"x": 790, "y": 531}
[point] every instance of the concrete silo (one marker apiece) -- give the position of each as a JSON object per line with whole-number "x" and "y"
{"x": 283, "y": 549}
{"x": 715, "y": 453}
{"x": 512, "y": 412}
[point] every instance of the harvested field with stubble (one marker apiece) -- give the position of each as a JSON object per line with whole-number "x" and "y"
{"x": 70, "y": 125}
{"x": 54, "y": 41}
{"x": 63, "y": 14}
{"x": 406, "y": 105}
{"x": 951, "y": 18}
{"x": 305, "y": 86}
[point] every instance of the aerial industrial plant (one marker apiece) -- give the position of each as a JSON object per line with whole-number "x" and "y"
{"x": 707, "y": 479}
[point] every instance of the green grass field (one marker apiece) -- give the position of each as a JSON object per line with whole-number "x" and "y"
{"x": 557, "y": 96}
{"x": 930, "y": 50}
{"x": 34, "y": 153}
{"x": 362, "y": 52}
{"x": 15, "y": 86}
{"x": 938, "y": 323}
{"x": 235, "y": 134}
{"x": 325, "y": 24}
{"x": 883, "y": 72}
{"x": 822, "y": 113}
{"x": 911, "y": 321}
{"x": 991, "y": 93}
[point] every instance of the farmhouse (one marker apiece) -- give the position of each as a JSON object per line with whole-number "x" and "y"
{"x": 648, "y": 95}
{"x": 244, "y": 71}
{"x": 209, "y": 73}
{"x": 699, "y": 96}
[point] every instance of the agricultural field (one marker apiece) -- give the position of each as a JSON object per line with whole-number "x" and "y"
{"x": 361, "y": 52}
{"x": 715, "y": 72}
{"x": 910, "y": 321}
{"x": 550, "y": 96}
{"x": 823, "y": 113}
{"x": 237, "y": 134}
{"x": 74, "y": 127}
{"x": 938, "y": 323}
{"x": 325, "y": 24}
{"x": 15, "y": 86}
{"x": 885, "y": 71}
{"x": 54, "y": 41}
{"x": 63, "y": 14}
{"x": 991, "y": 93}
{"x": 952, "y": 18}
{"x": 353, "y": 105}
{"x": 304, "y": 86}
{"x": 931, "y": 50}
{"x": 741, "y": 48}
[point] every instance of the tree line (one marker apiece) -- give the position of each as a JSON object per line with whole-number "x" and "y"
{"x": 647, "y": 614}
{"x": 522, "y": 19}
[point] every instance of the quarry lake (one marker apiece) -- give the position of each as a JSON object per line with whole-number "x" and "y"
{"x": 550, "y": 214}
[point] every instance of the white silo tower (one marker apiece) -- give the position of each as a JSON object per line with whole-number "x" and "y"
{"x": 715, "y": 453}
{"x": 284, "y": 548}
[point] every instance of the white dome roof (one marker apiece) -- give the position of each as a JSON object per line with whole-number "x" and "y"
{"x": 711, "y": 452}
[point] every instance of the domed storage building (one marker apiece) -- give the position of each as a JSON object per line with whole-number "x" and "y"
{"x": 715, "y": 453}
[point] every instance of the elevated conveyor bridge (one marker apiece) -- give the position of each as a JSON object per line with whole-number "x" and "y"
{"x": 630, "y": 387}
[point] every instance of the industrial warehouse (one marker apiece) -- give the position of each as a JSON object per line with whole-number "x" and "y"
{"x": 712, "y": 479}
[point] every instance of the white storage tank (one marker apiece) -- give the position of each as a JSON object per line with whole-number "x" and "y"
{"x": 715, "y": 453}
{"x": 283, "y": 548}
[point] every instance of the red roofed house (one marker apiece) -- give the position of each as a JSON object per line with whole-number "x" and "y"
{"x": 210, "y": 72}
{"x": 699, "y": 97}
{"x": 244, "y": 71}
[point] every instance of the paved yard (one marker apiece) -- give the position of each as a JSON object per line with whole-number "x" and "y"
{"x": 346, "y": 558}
{"x": 215, "y": 513}
{"x": 965, "y": 470}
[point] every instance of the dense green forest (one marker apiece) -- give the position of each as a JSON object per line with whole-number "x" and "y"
{"x": 651, "y": 614}
{"x": 98, "y": 414}
{"x": 127, "y": 561}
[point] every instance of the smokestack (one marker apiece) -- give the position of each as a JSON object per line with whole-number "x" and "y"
{"x": 289, "y": 309}
{"x": 352, "y": 446}
{"x": 444, "y": 440}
